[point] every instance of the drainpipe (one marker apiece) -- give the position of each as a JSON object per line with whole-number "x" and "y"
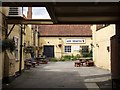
{"x": 38, "y": 44}
{"x": 21, "y": 40}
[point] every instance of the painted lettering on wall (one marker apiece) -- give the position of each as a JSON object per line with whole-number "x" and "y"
{"x": 75, "y": 40}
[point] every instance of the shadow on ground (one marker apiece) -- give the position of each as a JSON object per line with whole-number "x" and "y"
{"x": 62, "y": 75}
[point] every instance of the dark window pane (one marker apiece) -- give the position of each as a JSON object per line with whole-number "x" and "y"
{"x": 67, "y": 48}
{"x": 85, "y": 49}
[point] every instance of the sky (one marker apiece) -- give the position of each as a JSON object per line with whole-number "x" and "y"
{"x": 37, "y": 12}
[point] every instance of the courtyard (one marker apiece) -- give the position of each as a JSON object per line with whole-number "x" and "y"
{"x": 63, "y": 75}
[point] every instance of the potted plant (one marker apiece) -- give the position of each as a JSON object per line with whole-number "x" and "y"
{"x": 28, "y": 49}
{"x": 8, "y": 44}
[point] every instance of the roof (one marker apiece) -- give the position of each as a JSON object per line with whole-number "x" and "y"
{"x": 65, "y": 30}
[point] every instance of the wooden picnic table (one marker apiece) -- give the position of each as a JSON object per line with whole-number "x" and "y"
{"x": 41, "y": 60}
{"x": 86, "y": 61}
{"x": 28, "y": 62}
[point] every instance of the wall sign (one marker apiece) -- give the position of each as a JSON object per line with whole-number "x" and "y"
{"x": 76, "y": 48}
{"x": 75, "y": 40}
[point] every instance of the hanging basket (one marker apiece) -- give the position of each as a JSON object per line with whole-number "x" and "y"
{"x": 8, "y": 44}
{"x": 28, "y": 49}
{"x": 60, "y": 45}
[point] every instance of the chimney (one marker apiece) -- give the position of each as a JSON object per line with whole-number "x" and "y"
{"x": 29, "y": 13}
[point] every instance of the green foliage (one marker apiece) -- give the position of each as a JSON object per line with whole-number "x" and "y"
{"x": 28, "y": 49}
{"x": 53, "y": 59}
{"x": 86, "y": 54}
{"x": 63, "y": 59}
{"x": 91, "y": 53}
{"x": 76, "y": 57}
{"x": 70, "y": 57}
{"x": 67, "y": 57}
{"x": 8, "y": 44}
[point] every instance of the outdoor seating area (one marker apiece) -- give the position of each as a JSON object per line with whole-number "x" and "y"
{"x": 38, "y": 60}
{"x": 41, "y": 60}
{"x": 84, "y": 62}
{"x": 64, "y": 44}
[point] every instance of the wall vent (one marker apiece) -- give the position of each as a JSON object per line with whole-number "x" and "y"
{"x": 15, "y": 11}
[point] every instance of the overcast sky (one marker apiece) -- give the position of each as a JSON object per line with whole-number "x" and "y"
{"x": 37, "y": 12}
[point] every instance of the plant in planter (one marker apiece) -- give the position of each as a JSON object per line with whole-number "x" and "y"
{"x": 28, "y": 49}
{"x": 86, "y": 54}
{"x": 8, "y": 44}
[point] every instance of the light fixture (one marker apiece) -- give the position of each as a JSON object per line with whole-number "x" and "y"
{"x": 97, "y": 45}
{"x": 92, "y": 45}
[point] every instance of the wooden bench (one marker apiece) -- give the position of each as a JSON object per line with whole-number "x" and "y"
{"x": 37, "y": 60}
{"x": 27, "y": 65}
{"x": 77, "y": 64}
{"x": 41, "y": 60}
{"x": 82, "y": 62}
{"x": 89, "y": 63}
{"x": 33, "y": 64}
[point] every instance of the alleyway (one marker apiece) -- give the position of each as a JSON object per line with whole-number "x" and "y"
{"x": 62, "y": 75}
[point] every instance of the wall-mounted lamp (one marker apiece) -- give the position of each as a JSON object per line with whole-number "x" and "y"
{"x": 97, "y": 45}
{"x": 108, "y": 48}
{"x": 59, "y": 45}
{"x": 92, "y": 45}
{"x": 60, "y": 38}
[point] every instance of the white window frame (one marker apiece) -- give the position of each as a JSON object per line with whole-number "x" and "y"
{"x": 16, "y": 40}
{"x": 67, "y": 49}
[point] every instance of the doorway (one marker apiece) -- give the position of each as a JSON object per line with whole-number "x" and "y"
{"x": 48, "y": 51}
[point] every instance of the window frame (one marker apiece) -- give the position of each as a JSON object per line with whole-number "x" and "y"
{"x": 87, "y": 49}
{"x": 67, "y": 49}
{"x": 16, "y": 52}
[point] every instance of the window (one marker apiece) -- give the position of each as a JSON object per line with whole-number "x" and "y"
{"x": 67, "y": 48}
{"x": 85, "y": 49}
{"x": 16, "y": 50}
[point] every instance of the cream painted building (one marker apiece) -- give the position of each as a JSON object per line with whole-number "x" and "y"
{"x": 11, "y": 62}
{"x": 60, "y": 40}
{"x": 15, "y": 35}
{"x": 62, "y": 47}
{"x": 3, "y": 13}
{"x": 35, "y": 40}
{"x": 28, "y": 40}
{"x": 101, "y": 45}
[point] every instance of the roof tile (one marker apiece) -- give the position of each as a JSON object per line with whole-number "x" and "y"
{"x": 65, "y": 30}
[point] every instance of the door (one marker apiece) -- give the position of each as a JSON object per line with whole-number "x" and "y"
{"x": 49, "y": 51}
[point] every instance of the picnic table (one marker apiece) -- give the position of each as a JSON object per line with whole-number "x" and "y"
{"x": 84, "y": 61}
{"x": 41, "y": 60}
{"x": 28, "y": 63}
